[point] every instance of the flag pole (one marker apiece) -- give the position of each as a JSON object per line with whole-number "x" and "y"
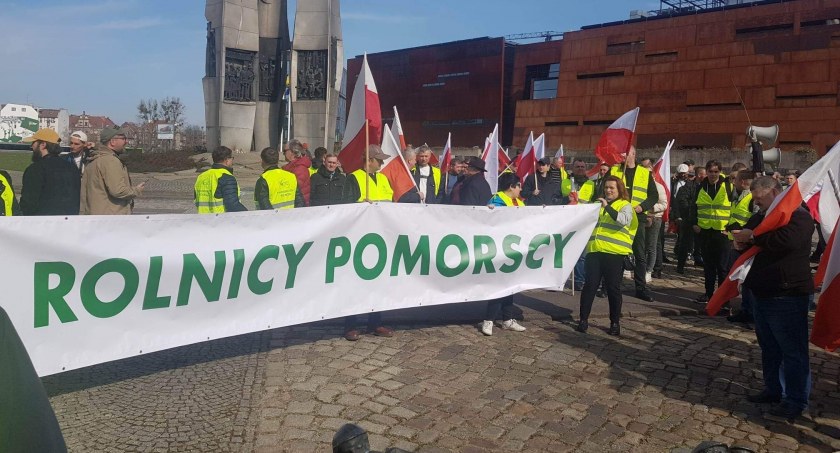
{"x": 367, "y": 160}
{"x": 536, "y": 180}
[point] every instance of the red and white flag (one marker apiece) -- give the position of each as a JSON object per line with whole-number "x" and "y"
{"x": 364, "y": 106}
{"x": 397, "y": 130}
{"x": 446, "y": 155}
{"x": 662, "y": 175}
{"x": 561, "y": 156}
{"x": 615, "y": 142}
{"x": 491, "y": 160}
{"x": 778, "y": 215}
{"x": 395, "y": 167}
{"x": 526, "y": 160}
{"x": 539, "y": 147}
{"x": 502, "y": 155}
{"x": 826, "y": 330}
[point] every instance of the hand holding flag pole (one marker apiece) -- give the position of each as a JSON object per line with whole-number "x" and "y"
{"x": 367, "y": 160}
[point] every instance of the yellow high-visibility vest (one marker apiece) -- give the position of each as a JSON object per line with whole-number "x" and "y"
{"x": 205, "y": 191}
{"x": 7, "y": 197}
{"x": 741, "y": 211}
{"x": 586, "y": 194}
{"x": 713, "y": 214}
{"x": 638, "y": 189}
{"x": 508, "y": 201}
{"x": 282, "y": 186}
{"x": 380, "y": 190}
{"x": 435, "y": 177}
{"x": 312, "y": 171}
{"x": 611, "y": 237}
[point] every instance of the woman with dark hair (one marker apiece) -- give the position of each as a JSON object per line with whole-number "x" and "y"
{"x": 508, "y": 195}
{"x": 610, "y": 242}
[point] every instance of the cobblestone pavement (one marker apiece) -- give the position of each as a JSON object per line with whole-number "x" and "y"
{"x": 666, "y": 384}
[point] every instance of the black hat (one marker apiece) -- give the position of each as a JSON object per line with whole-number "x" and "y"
{"x": 477, "y": 163}
{"x": 544, "y": 161}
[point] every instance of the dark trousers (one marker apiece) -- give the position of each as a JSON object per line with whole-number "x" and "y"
{"x": 609, "y": 267}
{"x": 685, "y": 243}
{"x": 503, "y": 305}
{"x": 374, "y": 320}
{"x": 781, "y": 325}
{"x": 715, "y": 258}
{"x": 640, "y": 254}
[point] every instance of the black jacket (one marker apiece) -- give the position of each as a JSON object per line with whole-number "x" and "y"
{"x": 228, "y": 190}
{"x": 782, "y": 267}
{"x": 15, "y": 205}
{"x": 329, "y": 188}
{"x": 262, "y": 198}
{"x": 549, "y": 190}
{"x": 432, "y": 197}
{"x": 472, "y": 191}
{"x": 51, "y": 186}
{"x": 683, "y": 201}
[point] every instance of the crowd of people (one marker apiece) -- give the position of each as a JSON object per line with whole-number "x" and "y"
{"x": 712, "y": 213}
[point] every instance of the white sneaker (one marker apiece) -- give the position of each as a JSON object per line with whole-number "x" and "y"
{"x": 511, "y": 324}
{"x": 628, "y": 274}
{"x": 648, "y": 277}
{"x": 487, "y": 328}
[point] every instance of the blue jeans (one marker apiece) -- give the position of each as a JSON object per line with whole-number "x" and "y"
{"x": 580, "y": 271}
{"x": 781, "y": 325}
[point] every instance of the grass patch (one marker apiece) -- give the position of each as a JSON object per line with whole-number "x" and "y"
{"x": 15, "y": 161}
{"x": 164, "y": 162}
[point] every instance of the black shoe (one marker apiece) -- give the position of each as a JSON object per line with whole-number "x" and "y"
{"x": 785, "y": 411}
{"x": 644, "y": 295}
{"x": 600, "y": 293}
{"x": 742, "y": 316}
{"x": 666, "y": 260}
{"x": 763, "y": 398}
{"x": 582, "y": 326}
{"x": 698, "y": 263}
{"x": 614, "y": 329}
{"x": 656, "y": 274}
{"x": 702, "y": 299}
{"x": 681, "y": 269}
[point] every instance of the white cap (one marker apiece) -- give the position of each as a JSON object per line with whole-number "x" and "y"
{"x": 80, "y": 135}
{"x": 682, "y": 168}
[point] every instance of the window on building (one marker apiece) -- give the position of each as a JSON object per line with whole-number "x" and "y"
{"x": 541, "y": 81}
{"x": 14, "y": 109}
{"x": 23, "y": 109}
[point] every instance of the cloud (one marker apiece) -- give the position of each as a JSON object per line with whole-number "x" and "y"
{"x": 368, "y": 17}
{"x": 130, "y": 24}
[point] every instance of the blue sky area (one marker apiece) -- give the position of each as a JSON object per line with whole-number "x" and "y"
{"x": 103, "y": 56}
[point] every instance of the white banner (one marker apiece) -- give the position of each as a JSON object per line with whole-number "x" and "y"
{"x": 91, "y": 289}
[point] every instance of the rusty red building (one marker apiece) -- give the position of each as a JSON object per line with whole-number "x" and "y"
{"x": 687, "y": 71}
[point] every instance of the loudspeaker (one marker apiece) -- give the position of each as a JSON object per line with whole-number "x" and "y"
{"x": 766, "y": 135}
{"x": 772, "y": 156}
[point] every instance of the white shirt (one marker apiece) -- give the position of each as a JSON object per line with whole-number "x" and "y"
{"x": 425, "y": 174}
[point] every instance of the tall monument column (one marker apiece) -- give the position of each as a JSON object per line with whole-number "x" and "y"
{"x": 273, "y": 52}
{"x": 316, "y": 69}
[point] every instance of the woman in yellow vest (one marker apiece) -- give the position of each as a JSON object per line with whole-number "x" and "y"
{"x": 508, "y": 196}
{"x": 610, "y": 242}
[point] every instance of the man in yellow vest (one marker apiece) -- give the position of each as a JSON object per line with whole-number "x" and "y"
{"x": 643, "y": 195}
{"x": 8, "y": 201}
{"x": 377, "y": 183}
{"x": 276, "y": 188}
{"x": 216, "y": 190}
{"x": 709, "y": 216}
{"x": 427, "y": 177}
{"x": 742, "y": 210}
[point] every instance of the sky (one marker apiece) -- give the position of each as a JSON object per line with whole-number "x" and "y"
{"x": 103, "y": 56}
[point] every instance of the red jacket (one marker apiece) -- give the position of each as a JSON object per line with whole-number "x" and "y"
{"x": 300, "y": 167}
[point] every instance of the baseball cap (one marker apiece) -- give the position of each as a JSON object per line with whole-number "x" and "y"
{"x": 376, "y": 154}
{"x": 80, "y": 135}
{"x": 682, "y": 168}
{"x": 44, "y": 135}
{"x": 544, "y": 161}
{"x": 110, "y": 132}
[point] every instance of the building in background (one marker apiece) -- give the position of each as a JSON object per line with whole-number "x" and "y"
{"x": 57, "y": 120}
{"x": 17, "y": 121}
{"x": 91, "y": 125}
{"x": 686, "y": 68}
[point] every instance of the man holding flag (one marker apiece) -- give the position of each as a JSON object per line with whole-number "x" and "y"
{"x": 780, "y": 278}
{"x": 427, "y": 178}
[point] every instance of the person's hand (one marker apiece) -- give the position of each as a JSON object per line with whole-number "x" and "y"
{"x": 678, "y": 222}
{"x": 536, "y": 191}
{"x": 422, "y": 196}
{"x": 491, "y": 206}
{"x": 604, "y": 202}
{"x": 695, "y": 228}
{"x": 745, "y": 235}
{"x": 638, "y": 209}
{"x": 139, "y": 187}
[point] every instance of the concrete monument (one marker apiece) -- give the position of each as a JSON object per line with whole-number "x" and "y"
{"x": 316, "y": 70}
{"x": 243, "y": 84}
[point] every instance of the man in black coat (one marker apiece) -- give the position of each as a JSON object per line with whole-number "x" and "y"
{"x": 474, "y": 189}
{"x": 51, "y": 184}
{"x": 540, "y": 189}
{"x": 684, "y": 192}
{"x": 329, "y": 184}
{"x": 780, "y": 278}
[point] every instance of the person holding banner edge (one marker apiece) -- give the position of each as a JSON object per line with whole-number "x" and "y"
{"x": 508, "y": 195}
{"x": 611, "y": 240}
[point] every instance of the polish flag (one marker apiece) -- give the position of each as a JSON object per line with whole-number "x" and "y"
{"x": 616, "y": 140}
{"x": 502, "y": 155}
{"x": 561, "y": 156}
{"x": 826, "y": 330}
{"x": 395, "y": 167}
{"x": 526, "y": 161}
{"x": 446, "y": 155}
{"x": 492, "y": 160}
{"x": 662, "y": 175}
{"x": 539, "y": 147}
{"x": 397, "y": 130}
{"x": 778, "y": 215}
{"x": 364, "y": 106}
